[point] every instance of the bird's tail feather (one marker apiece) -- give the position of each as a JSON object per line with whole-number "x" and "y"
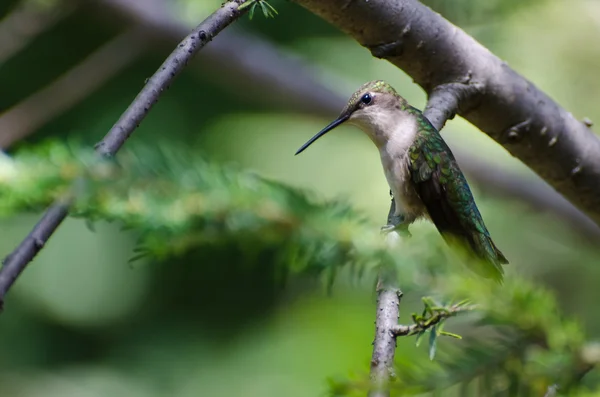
{"x": 490, "y": 257}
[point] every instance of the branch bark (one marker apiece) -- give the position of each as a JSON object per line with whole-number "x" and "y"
{"x": 16, "y": 262}
{"x": 510, "y": 109}
{"x": 384, "y": 345}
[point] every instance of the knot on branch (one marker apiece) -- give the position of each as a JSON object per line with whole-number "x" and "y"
{"x": 446, "y": 100}
{"x": 385, "y": 50}
{"x": 515, "y": 133}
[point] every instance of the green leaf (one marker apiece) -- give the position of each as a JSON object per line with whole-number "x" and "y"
{"x": 246, "y": 4}
{"x": 419, "y": 337}
{"x": 264, "y": 8}
{"x": 272, "y": 9}
{"x": 432, "y": 342}
{"x": 450, "y": 334}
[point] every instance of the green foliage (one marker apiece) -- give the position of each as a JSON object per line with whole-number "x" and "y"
{"x": 514, "y": 341}
{"x": 517, "y": 343}
{"x": 178, "y": 202}
{"x": 433, "y": 319}
{"x": 268, "y": 10}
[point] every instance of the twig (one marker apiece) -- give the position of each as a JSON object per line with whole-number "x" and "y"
{"x": 510, "y": 109}
{"x": 27, "y": 116}
{"x": 436, "y": 318}
{"x": 16, "y": 262}
{"x": 384, "y": 345}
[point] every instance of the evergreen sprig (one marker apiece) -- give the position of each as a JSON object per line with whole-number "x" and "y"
{"x": 268, "y": 10}
{"x": 176, "y": 201}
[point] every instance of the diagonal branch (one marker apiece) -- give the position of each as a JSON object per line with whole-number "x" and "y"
{"x": 16, "y": 262}
{"x": 510, "y": 109}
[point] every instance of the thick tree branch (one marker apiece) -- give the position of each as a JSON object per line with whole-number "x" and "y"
{"x": 16, "y": 262}
{"x": 510, "y": 109}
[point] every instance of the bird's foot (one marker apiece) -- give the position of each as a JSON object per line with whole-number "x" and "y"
{"x": 387, "y": 229}
{"x": 396, "y": 224}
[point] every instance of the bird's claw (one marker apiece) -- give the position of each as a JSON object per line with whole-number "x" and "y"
{"x": 400, "y": 229}
{"x": 387, "y": 229}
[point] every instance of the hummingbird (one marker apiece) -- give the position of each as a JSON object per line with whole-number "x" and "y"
{"x": 424, "y": 178}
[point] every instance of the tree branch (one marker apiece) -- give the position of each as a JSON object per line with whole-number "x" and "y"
{"x": 436, "y": 318}
{"x": 384, "y": 345}
{"x": 16, "y": 262}
{"x": 510, "y": 109}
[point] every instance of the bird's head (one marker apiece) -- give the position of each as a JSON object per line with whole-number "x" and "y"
{"x": 373, "y": 108}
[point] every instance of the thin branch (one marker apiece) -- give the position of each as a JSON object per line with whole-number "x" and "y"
{"x": 16, "y": 262}
{"x": 27, "y": 21}
{"x": 510, "y": 109}
{"x": 27, "y": 116}
{"x": 436, "y": 318}
{"x": 384, "y": 345}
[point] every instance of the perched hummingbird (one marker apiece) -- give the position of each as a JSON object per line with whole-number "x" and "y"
{"x": 423, "y": 176}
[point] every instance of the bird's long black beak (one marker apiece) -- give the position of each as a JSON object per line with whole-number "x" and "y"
{"x": 325, "y": 130}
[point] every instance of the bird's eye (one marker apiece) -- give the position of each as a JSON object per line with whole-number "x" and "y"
{"x": 366, "y": 99}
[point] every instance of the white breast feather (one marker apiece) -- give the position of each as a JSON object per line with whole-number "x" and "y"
{"x": 394, "y": 159}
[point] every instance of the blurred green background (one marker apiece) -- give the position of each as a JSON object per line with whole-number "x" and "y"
{"x": 82, "y": 322}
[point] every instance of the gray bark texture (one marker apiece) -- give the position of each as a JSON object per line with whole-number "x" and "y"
{"x": 384, "y": 345}
{"x": 500, "y": 102}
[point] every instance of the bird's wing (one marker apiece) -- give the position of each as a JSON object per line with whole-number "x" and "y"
{"x": 443, "y": 188}
{"x": 444, "y": 191}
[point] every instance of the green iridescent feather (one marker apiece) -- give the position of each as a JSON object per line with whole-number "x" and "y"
{"x": 445, "y": 192}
